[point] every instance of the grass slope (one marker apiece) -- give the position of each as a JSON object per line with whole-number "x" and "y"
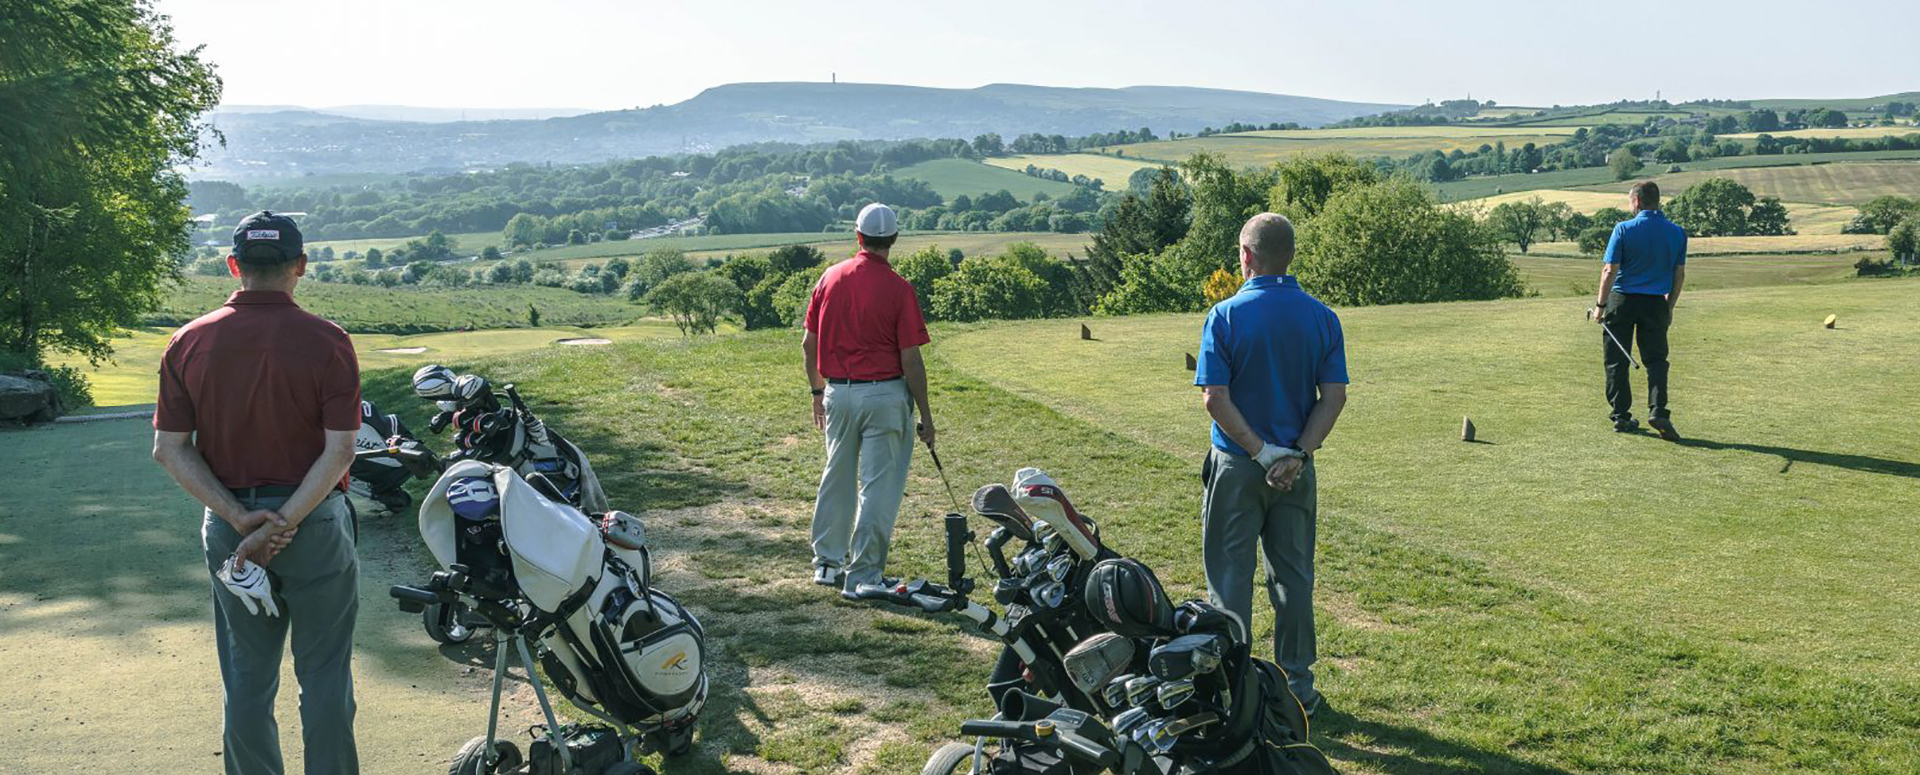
{"x": 1560, "y": 600}
{"x": 1489, "y": 185}
{"x": 965, "y": 177}
{"x": 469, "y": 243}
{"x": 1113, "y": 171}
{"x": 1846, "y": 183}
{"x": 1262, "y": 148}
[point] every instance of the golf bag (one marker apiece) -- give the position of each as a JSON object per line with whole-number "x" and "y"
{"x": 509, "y": 435}
{"x": 381, "y": 479}
{"x": 581, "y": 587}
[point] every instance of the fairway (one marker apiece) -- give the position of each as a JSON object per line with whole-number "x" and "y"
{"x": 1112, "y": 171}
{"x": 1582, "y": 201}
{"x": 1787, "y": 244}
{"x": 412, "y": 309}
{"x": 1563, "y": 271}
{"x": 964, "y": 177}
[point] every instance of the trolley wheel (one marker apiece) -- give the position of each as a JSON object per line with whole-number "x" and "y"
{"x": 443, "y": 623}
{"x": 949, "y": 759}
{"x": 472, "y": 758}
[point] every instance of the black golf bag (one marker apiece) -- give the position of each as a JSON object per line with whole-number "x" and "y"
{"x": 381, "y": 479}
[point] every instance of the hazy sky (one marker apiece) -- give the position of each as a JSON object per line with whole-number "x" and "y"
{"x": 608, "y": 54}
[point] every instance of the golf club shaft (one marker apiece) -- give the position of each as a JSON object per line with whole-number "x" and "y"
{"x": 1616, "y": 343}
{"x": 943, "y": 478}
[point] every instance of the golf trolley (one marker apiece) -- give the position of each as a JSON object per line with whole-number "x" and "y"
{"x": 575, "y": 596}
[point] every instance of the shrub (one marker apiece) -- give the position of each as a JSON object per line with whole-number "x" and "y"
{"x": 1593, "y": 241}
{"x": 1391, "y": 243}
{"x": 922, "y": 269}
{"x": 696, "y": 300}
{"x": 70, "y": 384}
{"x": 789, "y": 301}
{"x": 988, "y": 289}
{"x": 1221, "y": 285}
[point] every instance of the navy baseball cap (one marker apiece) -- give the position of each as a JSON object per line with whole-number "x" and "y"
{"x": 267, "y": 238}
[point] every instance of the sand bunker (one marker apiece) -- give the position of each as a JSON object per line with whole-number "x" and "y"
{"x": 405, "y": 350}
{"x": 583, "y": 341}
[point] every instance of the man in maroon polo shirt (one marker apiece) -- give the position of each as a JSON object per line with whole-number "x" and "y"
{"x": 862, "y": 345}
{"x": 259, "y": 403}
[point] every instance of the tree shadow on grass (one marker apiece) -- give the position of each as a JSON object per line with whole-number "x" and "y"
{"x": 1423, "y": 753}
{"x": 1862, "y": 463}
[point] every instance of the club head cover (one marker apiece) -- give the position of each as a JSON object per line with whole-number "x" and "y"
{"x": 434, "y": 383}
{"x": 1043, "y": 500}
{"x": 1126, "y": 598}
{"x": 1186, "y": 656}
{"x": 248, "y": 582}
{"x": 996, "y": 502}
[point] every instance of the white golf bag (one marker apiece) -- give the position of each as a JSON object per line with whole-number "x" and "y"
{"x": 610, "y": 642}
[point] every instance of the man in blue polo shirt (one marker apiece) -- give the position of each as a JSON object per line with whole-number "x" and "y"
{"x": 1273, "y": 372}
{"x": 1645, "y": 267}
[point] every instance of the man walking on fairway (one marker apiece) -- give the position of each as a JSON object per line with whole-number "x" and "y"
{"x": 1645, "y": 267}
{"x": 259, "y": 403}
{"x": 1273, "y": 373}
{"x": 862, "y": 347}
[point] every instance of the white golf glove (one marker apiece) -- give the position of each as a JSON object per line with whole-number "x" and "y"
{"x": 248, "y": 582}
{"x": 1273, "y": 453}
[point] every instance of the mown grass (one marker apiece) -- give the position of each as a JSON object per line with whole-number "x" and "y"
{"x": 965, "y": 177}
{"x": 1561, "y": 599}
{"x": 1112, "y": 171}
{"x": 1258, "y": 149}
{"x": 1843, "y": 183}
{"x": 406, "y": 309}
{"x": 470, "y": 243}
{"x": 1488, "y": 185}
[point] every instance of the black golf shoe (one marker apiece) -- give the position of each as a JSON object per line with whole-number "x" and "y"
{"x": 1664, "y": 427}
{"x": 1626, "y": 425}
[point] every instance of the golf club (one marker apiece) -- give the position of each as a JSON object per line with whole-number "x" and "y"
{"x": 1593, "y": 313}
{"x": 1140, "y": 689}
{"x": 943, "y": 471}
{"x": 1172, "y": 693}
{"x": 1173, "y": 729}
{"x": 1125, "y": 723}
{"x": 1115, "y": 692}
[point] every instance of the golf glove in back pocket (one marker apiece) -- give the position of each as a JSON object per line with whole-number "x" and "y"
{"x": 248, "y": 582}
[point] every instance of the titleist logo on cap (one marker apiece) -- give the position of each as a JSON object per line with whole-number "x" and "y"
{"x": 272, "y": 234}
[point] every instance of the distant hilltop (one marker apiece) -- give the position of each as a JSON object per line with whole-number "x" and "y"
{"x": 266, "y": 142}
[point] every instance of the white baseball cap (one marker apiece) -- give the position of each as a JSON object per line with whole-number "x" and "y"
{"x": 877, "y": 220}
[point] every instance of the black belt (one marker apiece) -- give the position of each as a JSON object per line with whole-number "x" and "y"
{"x": 839, "y": 381}
{"x": 263, "y": 491}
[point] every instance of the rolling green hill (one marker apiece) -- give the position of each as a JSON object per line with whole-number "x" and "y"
{"x": 957, "y": 177}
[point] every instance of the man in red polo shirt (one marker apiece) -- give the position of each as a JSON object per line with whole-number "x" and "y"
{"x": 862, "y": 345}
{"x": 259, "y": 403}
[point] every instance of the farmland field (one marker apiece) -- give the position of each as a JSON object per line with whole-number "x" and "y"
{"x": 1845, "y": 183}
{"x": 1580, "y": 201}
{"x": 1111, "y": 170}
{"x": 1471, "y": 188}
{"x": 1850, "y": 133}
{"x": 469, "y": 243}
{"x": 841, "y": 245}
{"x": 1263, "y": 148}
{"x": 957, "y": 177}
{"x": 1792, "y": 243}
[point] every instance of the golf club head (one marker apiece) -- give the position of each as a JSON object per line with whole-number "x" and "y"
{"x": 1114, "y": 693}
{"x": 1141, "y": 690}
{"x": 1187, "y": 656}
{"x": 1059, "y": 568}
{"x": 1050, "y": 594}
{"x": 1172, "y": 693}
{"x": 1096, "y": 660}
{"x": 1125, "y": 724}
{"x": 434, "y": 383}
{"x": 1165, "y": 735}
{"x": 996, "y": 503}
{"x": 1149, "y": 734}
{"x": 1044, "y": 501}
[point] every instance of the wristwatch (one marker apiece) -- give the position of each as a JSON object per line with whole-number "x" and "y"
{"x": 819, "y": 391}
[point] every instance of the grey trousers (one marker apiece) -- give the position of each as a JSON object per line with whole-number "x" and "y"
{"x": 869, "y": 444}
{"x": 316, "y": 584}
{"x": 1240, "y": 509}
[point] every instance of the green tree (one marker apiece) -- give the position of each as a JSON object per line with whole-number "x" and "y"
{"x": 1593, "y": 240}
{"x": 533, "y": 316}
{"x": 576, "y": 237}
{"x": 1903, "y": 240}
{"x": 988, "y": 289}
{"x": 98, "y": 113}
{"x": 1880, "y": 214}
{"x": 1715, "y": 207}
{"x": 1520, "y": 222}
{"x": 1303, "y": 185}
{"x": 522, "y": 231}
{"x": 789, "y": 301}
{"x": 696, "y": 300}
{"x": 1768, "y": 218}
{"x": 375, "y": 259}
{"x": 490, "y": 253}
{"x": 654, "y": 268}
{"x": 1391, "y": 243}
{"x": 1139, "y": 225}
{"x": 1624, "y": 164}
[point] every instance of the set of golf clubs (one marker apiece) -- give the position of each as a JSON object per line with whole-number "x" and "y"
{"x": 1163, "y": 706}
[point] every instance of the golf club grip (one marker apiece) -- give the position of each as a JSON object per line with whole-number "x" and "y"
{"x": 1005, "y": 729}
{"x": 414, "y": 594}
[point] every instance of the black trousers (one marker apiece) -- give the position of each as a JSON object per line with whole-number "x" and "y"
{"x": 1642, "y": 319}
